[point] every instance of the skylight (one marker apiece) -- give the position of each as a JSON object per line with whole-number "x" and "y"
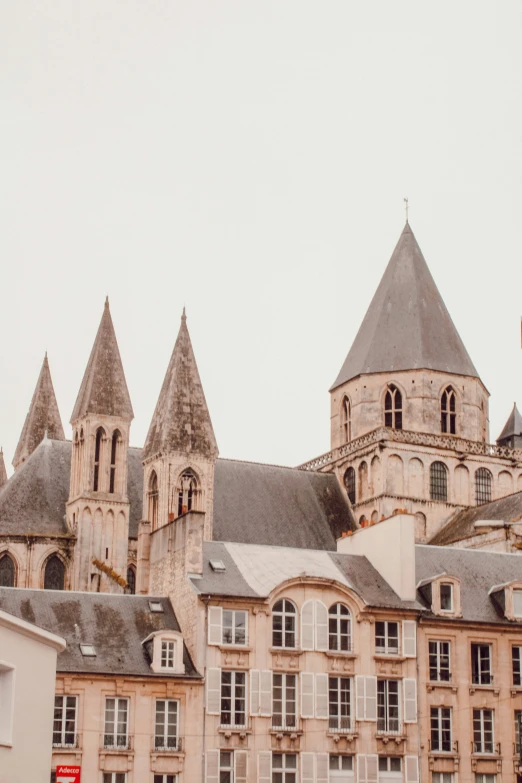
{"x": 156, "y": 606}
{"x": 88, "y": 650}
{"x": 217, "y": 565}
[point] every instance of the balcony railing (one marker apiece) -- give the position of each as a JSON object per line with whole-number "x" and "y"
{"x": 340, "y": 725}
{"x": 388, "y": 650}
{"x": 486, "y": 748}
{"x": 452, "y": 747}
{"x": 67, "y": 741}
{"x": 391, "y": 728}
{"x": 284, "y": 724}
{"x": 440, "y": 441}
{"x": 167, "y": 744}
{"x": 116, "y": 741}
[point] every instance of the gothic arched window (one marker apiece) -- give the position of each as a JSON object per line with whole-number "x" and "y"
{"x": 116, "y": 437}
{"x": 482, "y": 486}
{"x": 438, "y": 481}
{"x": 97, "y": 458}
{"x": 187, "y": 490}
{"x": 349, "y": 483}
{"x": 54, "y": 576}
{"x": 131, "y": 579}
{"x": 347, "y": 420}
{"x": 7, "y": 571}
{"x": 393, "y": 408}
{"x": 153, "y": 499}
{"x": 448, "y": 411}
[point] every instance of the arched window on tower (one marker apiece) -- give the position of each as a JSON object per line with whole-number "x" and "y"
{"x": 7, "y": 571}
{"x": 448, "y": 411}
{"x": 97, "y": 458}
{"x": 54, "y": 575}
{"x": 393, "y": 408}
{"x": 153, "y": 500}
{"x": 349, "y": 483}
{"x": 131, "y": 580}
{"x": 347, "y": 420}
{"x": 438, "y": 481}
{"x": 116, "y": 438}
{"x": 482, "y": 486}
{"x": 187, "y": 492}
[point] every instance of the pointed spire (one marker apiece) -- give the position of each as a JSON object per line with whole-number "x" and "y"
{"x": 512, "y": 427}
{"x": 407, "y": 325}
{"x": 104, "y": 388}
{"x": 3, "y": 472}
{"x": 43, "y": 417}
{"x": 181, "y": 421}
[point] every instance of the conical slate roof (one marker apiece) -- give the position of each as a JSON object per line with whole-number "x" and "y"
{"x": 407, "y": 325}
{"x": 3, "y": 472}
{"x": 181, "y": 421}
{"x": 104, "y": 388}
{"x": 513, "y": 426}
{"x": 43, "y": 416}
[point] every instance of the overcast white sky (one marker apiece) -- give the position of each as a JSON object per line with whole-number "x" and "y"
{"x": 249, "y": 159}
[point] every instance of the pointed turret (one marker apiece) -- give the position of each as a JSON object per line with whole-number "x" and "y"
{"x": 104, "y": 388}
{"x": 511, "y": 435}
{"x": 407, "y": 325}
{"x": 181, "y": 421}
{"x": 43, "y": 416}
{"x": 3, "y": 472}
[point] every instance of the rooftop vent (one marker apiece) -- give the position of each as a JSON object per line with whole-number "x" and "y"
{"x": 88, "y": 650}
{"x": 156, "y": 606}
{"x": 217, "y": 565}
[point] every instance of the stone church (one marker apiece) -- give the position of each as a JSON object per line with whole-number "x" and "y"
{"x": 409, "y": 432}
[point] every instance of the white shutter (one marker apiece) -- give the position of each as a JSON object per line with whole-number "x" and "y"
{"x": 265, "y": 694}
{"x": 307, "y": 625}
{"x": 255, "y": 686}
{"x": 307, "y": 695}
{"x": 240, "y": 766}
{"x": 370, "y": 699}
{"x": 361, "y": 769}
{"x": 409, "y": 639}
{"x": 372, "y": 769}
{"x": 321, "y": 696}
{"x": 264, "y": 766}
{"x": 409, "y": 687}
{"x": 359, "y": 696}
{"x": 213, "y": 691}
{"x": 412, "y": 769}
{"x": 215, "y": 633}
{"x": 321, "y": 626}
{"x": 307, "y": 768}
{"x": 212, "y": 766}
{"x": 321, "y": 767}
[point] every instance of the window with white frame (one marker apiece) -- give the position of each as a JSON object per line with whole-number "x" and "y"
{"x": 387, "y": 638}
{"x": 341, "y": 769}
{"x": 446, "y": 597}
{"x": 440, "y": 728}
{"x": 339, "y": 628}
{"x": 483, "y": 740}
{"x": 116, "y": 723}
{"x": 481, "y": 778}
{"x": 481, "y": 668}
{"x": 114, "y": 777}
{"x": 284, "y": 622}
{"x": 439, "y": 660}
{"x": 166, "y": 724}
{"x": 165, "y": 778}
{"x": 284, "y": 701}
{"x": 233, "y": 698}
{"x": 390, "y": 768}
{"x": 64, "y": 725}
{"x": 517, "y": 603}
{"x": 442, "y": 777}
{"x": 234, "y": 627}
{"x": 516, "y": 654}
{"x": 168, "y": 654}
{"x": 226, "y": 766}
{"x": 518, "y": 720}
{"x": 388, "y": 713}
{"x": 284, "y": 768}
{"x": 340, "y": 704}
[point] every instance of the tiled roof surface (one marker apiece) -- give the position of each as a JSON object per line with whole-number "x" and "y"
{"x": 513, "y": 426}
{"x": 507, "y": 509}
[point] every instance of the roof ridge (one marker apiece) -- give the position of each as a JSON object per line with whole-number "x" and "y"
{"x": 254, "y": 462}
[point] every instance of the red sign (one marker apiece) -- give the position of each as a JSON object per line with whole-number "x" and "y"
{"x": 67, "y": 774}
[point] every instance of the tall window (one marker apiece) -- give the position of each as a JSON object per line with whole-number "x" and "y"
{"x": 187, "y": 492}
{"x": 153, "y": 500}
{"x": 97, "y": 458}
{"x": 54, "y": 575}
{"x": 116, "y": 437}
{"x": 485, "y": 778}
{"x": 114, "y": 777}
{"x": 482, "y": 486}
{"x": 7, "y": 571}
{"x": 388, "y": 707}
{"x": 116, "y": 723}
{"x": 347, "y": 420}
{"x": 387, "y": 638}
{"x": 439, "y": 655}
{"x": 438, "y": 481}
{"x": 516, "y": 654}
{"x": 483, "y": 731}
{"x": 390, "y": 768}
{"x": 339, "y": 628}
{"x": 446, "y": 597}
{"x": 284, "y": 701}
{"x": 441, "y": 729}
{"x": 442, "y": 777}
{"x": 168, "y": 650}
{"x": 233, "y": 698}
{"x": 481, "y": 668}
{"x": 284, "y": 768}
{"x": 231, "y": 767}
{"x": 393, "y": 408}
{"x": 234, "y": 626}
{"x": 64, "y": 726}
{"x": 341, "y": 768}
{"x": 166, "y": 724}
{"x": 349, "y": 483}
{"x": 339, "y": 704}
{"x": 518, "y": 720}
{"x": 448, "y": 411}
{"x": 131, "y": 580}
{"x": 284, "y": 620}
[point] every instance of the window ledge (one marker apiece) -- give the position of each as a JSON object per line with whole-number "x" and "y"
{"x": 349, "y": 736}
{"x": 295, "y": 732}
{"x": 395, "y": 657}
{"x": 485, "y": 688}
{"x": 443, "y": 754}
{"x": 340, "y": 654}
{"x": 432, "y": 684}
{"x": 515, "y": 689}
{"x": 241, "y": 648}
{"x": 240, "y": 731}
{"x": 286, "y": 651}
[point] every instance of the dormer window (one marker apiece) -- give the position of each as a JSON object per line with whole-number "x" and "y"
{"x": 165, "y": 648}
{"x": 442, "y": 594}
{"x": 517, "y": 603}
{"x": 168, "y": 649}
{"x": 446, "y": 597}
{"x": 508, "y": 598}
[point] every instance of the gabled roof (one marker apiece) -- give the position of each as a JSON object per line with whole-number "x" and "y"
{"x": 3, "y": 472}
{"x": 104, "y": 388}
{"x": 507, "y": 509}
{"x": 181, "y": 421}
{"x": 43, "y": 417}
{"x": 407, "y": 325}
{"x": 513, "y": 426}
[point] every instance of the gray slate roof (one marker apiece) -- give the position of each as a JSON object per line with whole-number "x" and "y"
{"x": 407, "y": 325}
{"x": 3, "y": 472}
{"x": 104, "y": 388}
{"x": 513, "y": 426}
{"x": 43, "y": 416}
{"x": 181, "y": 421}
{"x": 116, "y": 625}
{"x": 460, "y": 526}
{"x": 478, "y": 572}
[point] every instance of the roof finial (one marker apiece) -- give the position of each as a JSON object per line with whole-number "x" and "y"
{"x": 107, "y": 301}
{"x": 183, "y": 314}
{"x": 406, "y": 206}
